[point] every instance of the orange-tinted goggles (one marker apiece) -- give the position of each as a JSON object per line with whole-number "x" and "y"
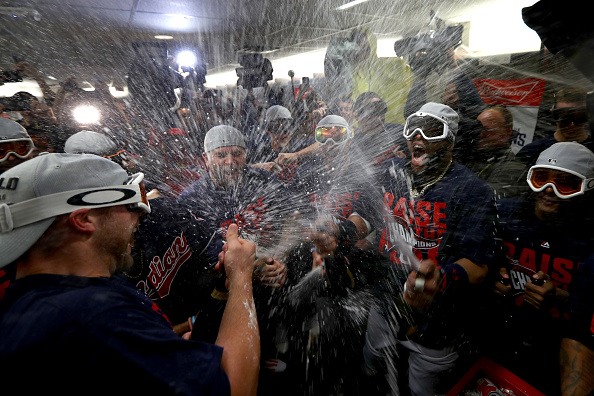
{"x": 22, "y": 148}
{"x": 565, "y": 184}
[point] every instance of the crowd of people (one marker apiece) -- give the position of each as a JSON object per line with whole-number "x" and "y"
{"x": 374, "y": 243}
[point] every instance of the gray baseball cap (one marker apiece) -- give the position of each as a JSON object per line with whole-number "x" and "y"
{"x": 38, "y": 190}
{"x": 89, "y": 142}
{"x": 570, "y": 156}
{"x": 12, "y": 130}
{"x": 223, "y": 136}
{"x": 278, "y": 112}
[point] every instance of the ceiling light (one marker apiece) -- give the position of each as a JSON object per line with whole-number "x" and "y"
{"x": 351, "y": 4}
{"x": 163, "y": 37}
{"x": 85, "y": 115}
{"x": 186, "y": 58}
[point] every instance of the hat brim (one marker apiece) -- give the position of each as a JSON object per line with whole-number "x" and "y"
{"x": 15, "y": 243}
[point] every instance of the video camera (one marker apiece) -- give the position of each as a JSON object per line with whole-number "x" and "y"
{"x": 255, "y": 71}
{"x": 429, "y": 51}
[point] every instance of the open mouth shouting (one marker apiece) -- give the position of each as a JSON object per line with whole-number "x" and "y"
{"x": 419, "y": 156}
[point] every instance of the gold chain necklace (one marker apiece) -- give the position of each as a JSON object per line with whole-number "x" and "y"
{"x": 416, "y": 194}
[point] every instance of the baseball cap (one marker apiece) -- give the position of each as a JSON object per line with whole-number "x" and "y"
{"x": 10, "y": 130}
{"x": 568, "y": 156}
{"x": 14, "y": 139}
{"x": 568, "y": 167}
{"x": 277, "y": 112}
{"x": 89, "y": 142}
{"x": 223, "y": 136}
{"x": 38, "y": 190}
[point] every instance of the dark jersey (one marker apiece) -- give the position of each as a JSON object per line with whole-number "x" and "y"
{"x": 334, "y": 190}
{"x": 453, "y": 219}
{"x": 167, "y": 265}
{"x": 98, "y": 334}
{"x": 531, "y": 246}
{"x": 258, "y": 206}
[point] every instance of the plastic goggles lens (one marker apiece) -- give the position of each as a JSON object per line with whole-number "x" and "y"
{"x": 430, "y": 127}
{"x": 337, "y": 134}
{"x": 21, "y": 148}
{"x": 564, "y": 184}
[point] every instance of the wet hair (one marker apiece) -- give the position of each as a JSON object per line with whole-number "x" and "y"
{"x": 572, "y": 94}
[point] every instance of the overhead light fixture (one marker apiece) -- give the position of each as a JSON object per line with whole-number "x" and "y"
{"x": 163, "y": 37}
{"x": 86, "y": 115}
{"x": 186, "y": 58}
{"x": 351, "y": 4}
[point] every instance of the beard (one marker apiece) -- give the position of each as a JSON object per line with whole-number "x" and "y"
{"x": 227, "y": 176}
{"x": 115, "y": 241}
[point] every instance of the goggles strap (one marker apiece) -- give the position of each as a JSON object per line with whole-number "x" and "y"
{"x": 6, "y": 223}
{"x": 37, "y": 209}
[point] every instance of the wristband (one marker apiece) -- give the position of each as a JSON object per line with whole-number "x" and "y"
{"x": 453, "y": 273}
{"x": 347, "y": 231}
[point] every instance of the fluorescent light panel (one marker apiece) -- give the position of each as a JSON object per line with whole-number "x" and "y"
{"x": 351, "y": 4}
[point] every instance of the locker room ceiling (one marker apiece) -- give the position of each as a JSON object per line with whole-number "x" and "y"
{"x": 85, "y": 38}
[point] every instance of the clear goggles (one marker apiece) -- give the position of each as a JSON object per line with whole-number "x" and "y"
{"x": 337, "y": 134}
{"x": 431, "y": 128}
{"x": 565, "y": 183}
{"x": 132, "y": 194}
{"x": 22, "y": 148}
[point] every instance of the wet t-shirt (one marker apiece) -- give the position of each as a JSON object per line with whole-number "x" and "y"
{"x": 167, "y": 263}
{"x": 452, "y": 219}
{"x": 106, "y": 334}
{"x": 531, "y": 246}
{"x": 258, "y": 206}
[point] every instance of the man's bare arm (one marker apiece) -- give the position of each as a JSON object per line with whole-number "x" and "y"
{"x": 577, "y": 368}
{"x": 239, "y": 334}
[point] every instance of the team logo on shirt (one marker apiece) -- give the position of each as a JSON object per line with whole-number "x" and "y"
{"x": 251, "y": 223}
{"x": 163, "y": 270}
{"x": 420, "y": 224}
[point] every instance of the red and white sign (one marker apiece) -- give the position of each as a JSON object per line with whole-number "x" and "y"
{"x": 521, "y": 96}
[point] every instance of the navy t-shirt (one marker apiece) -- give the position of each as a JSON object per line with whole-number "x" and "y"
{"x": 453, "y": 219}
{"x": 531, "y": 246}
{"x": 333, "y": 190}
{"x": 258, "y": 206}
{"x": 167, "y": 265}
{"x": 78, "y": 335}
